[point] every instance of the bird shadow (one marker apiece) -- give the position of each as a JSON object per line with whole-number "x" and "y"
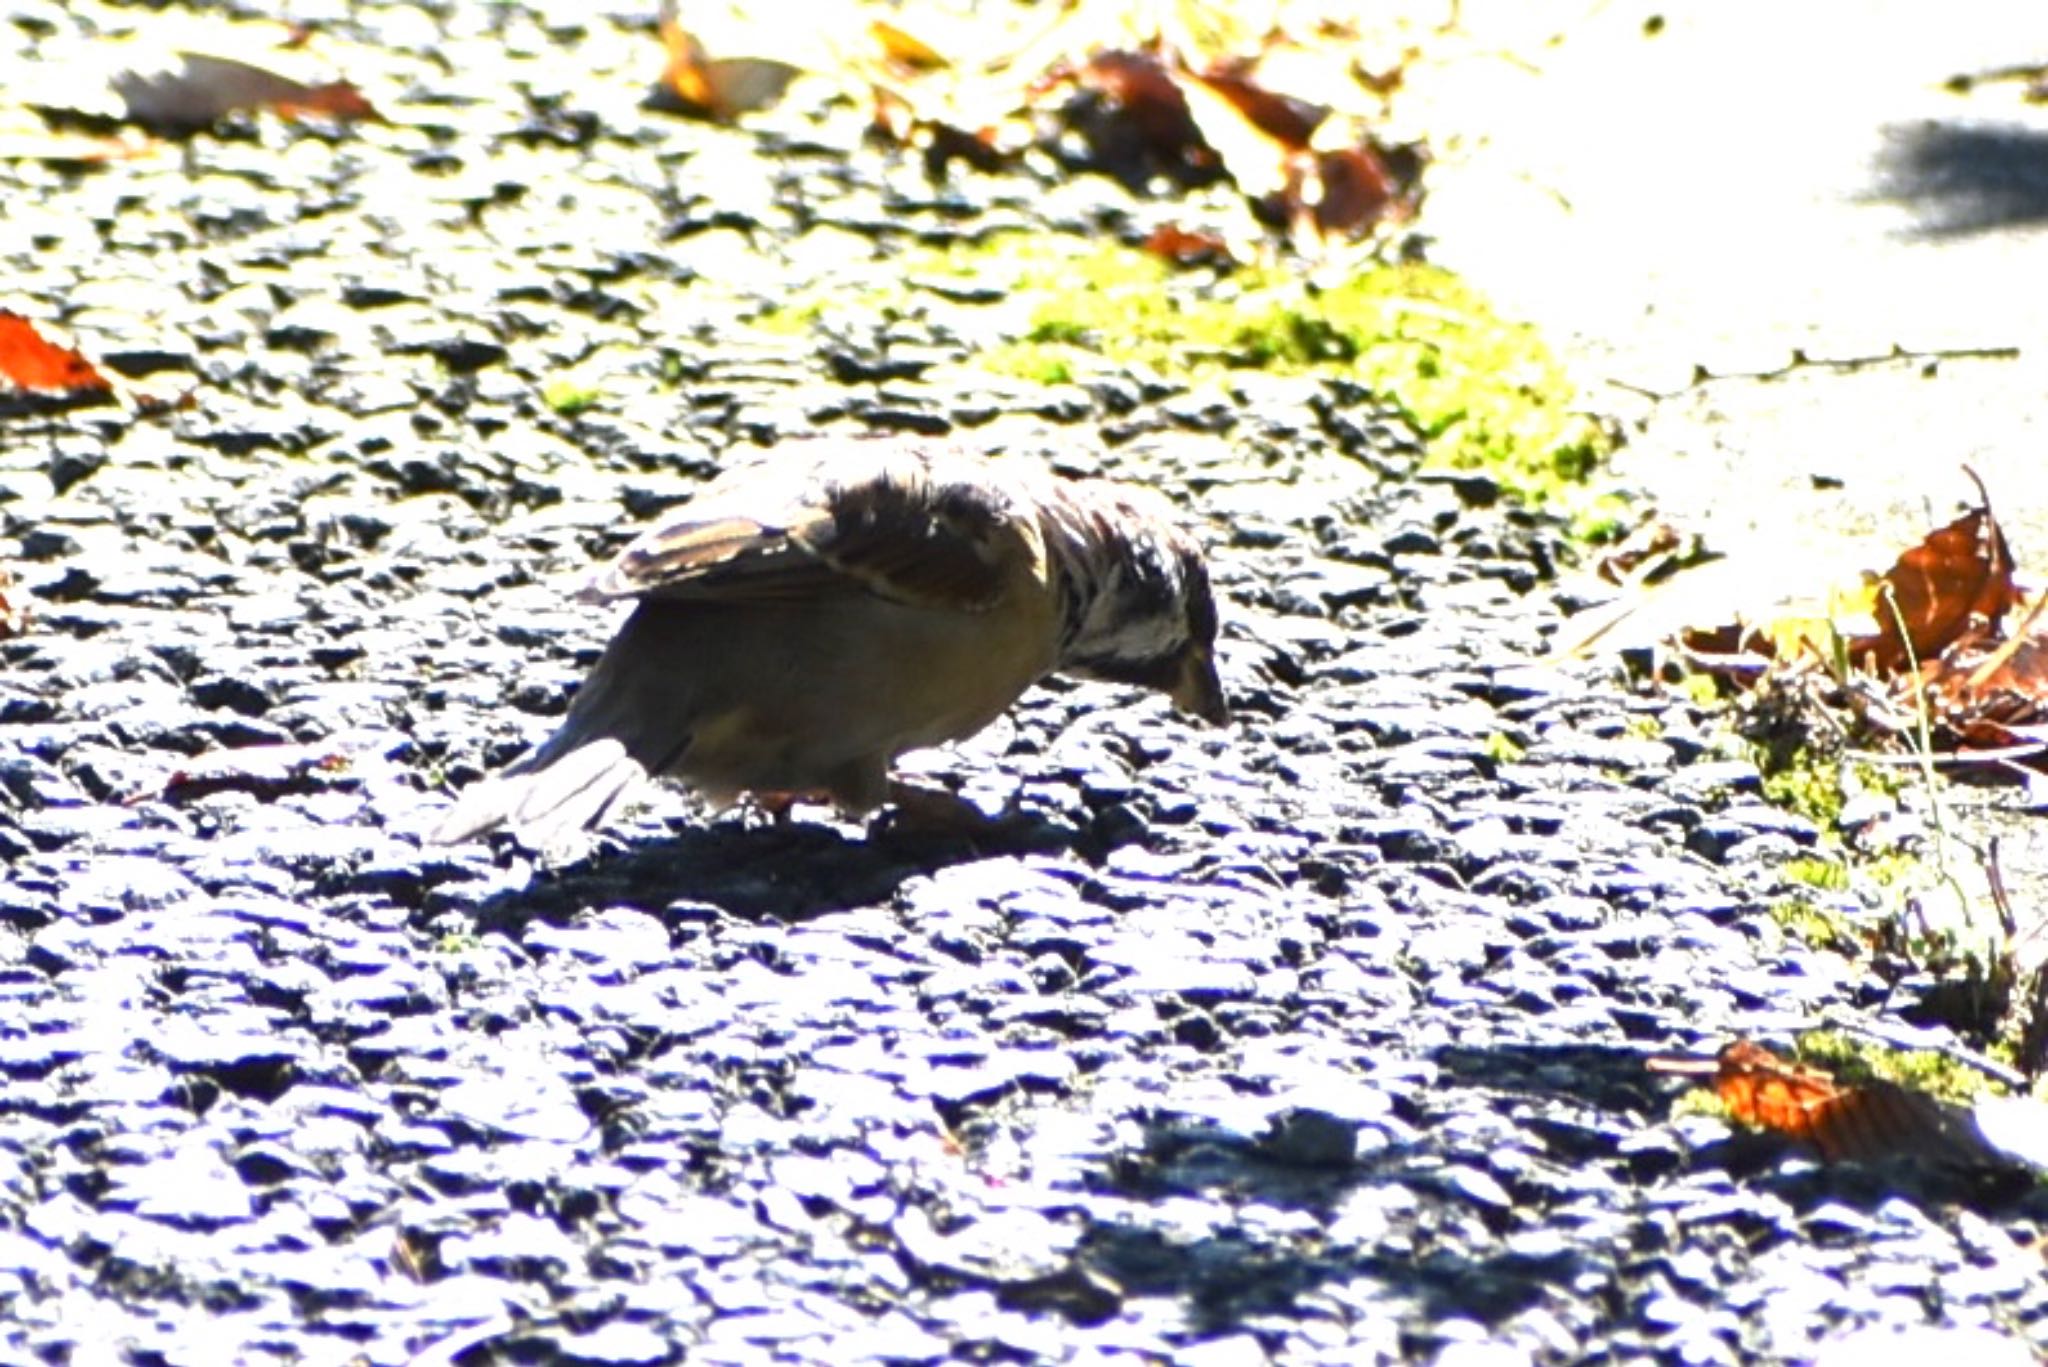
{"x": 791, "y": 872}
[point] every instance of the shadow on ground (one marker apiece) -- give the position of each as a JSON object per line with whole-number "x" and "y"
{"x": 784, "y": 873}
{"x": 1965, "y": 179}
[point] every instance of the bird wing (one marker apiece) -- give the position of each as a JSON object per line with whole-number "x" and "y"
{"x": 916, "y": 530}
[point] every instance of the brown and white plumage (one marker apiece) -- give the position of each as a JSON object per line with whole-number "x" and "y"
{"x": 805, "y": 620}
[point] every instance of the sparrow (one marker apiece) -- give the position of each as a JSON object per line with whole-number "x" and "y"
{"x": 806, "y": 619}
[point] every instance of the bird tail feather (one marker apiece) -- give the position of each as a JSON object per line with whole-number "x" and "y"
{"x": 547, "y": 795}
{"x": 625, "y": 723}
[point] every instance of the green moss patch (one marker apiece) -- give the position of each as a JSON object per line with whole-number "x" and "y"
{"x": 1813, "y": 926}
{"x": 1485, "y": 393}
{"x": 1850, "y": 1060}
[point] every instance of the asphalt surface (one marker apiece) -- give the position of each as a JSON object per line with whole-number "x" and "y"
{"x": 1323, "y": 1038}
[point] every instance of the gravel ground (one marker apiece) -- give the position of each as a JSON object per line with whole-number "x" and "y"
{"x": 1318, "y": 1040}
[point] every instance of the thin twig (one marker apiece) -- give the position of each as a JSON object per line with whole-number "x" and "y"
{"x": 1952, "y": 758}
{"x": 1701, "y": 376}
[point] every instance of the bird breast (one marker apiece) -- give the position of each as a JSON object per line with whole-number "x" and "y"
{"x": 783, "y": 695}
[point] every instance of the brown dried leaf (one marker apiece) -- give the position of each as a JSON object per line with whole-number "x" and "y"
{"x": 2004, "y": 706}
{"x": 1255, "y": 158}
{"x": 1185, "y": 247}
{"x": 1340, "y": 194}
{"x": 719, "y": 87}
{"x": 1959, "y": 578}
{"x": 14, "y": 614}
{"x": 203, "y": 88}
{"x": 267, "y": 771}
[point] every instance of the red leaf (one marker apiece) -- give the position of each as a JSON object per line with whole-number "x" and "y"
{"x": 32, "y": 362}
{"x": 1185, "y": 247}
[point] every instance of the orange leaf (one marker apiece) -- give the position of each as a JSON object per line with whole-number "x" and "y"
{"x": 1961, "y": 575}
{"x": 684, "y": 75}
{"x": 1760, "y": 1089}
{"x": 1865, "y": 1123}
{"x": 721, "y": 87}
{"x": 330, "y": 99}
{"x": 30, "y": 361}
{"x": 904, "y": 48}
{"x": 1185, "y": 247}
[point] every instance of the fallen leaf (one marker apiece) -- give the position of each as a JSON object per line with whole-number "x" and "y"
{"x": 1189, "y": 248}
{"x": 1256, "y": 157}
{"x": 2005, "y": 710}
{"x": 13, "y": 608}
{"x": 1345, "y": 193}
{"x": 719, "y": 87}
{"x": 2021, "y": 664}
{"x": 1174, "y": 89}
{"x": 903, "y": 48}
{"x": 40, "y": 368}
{"x": 1869, "y": 1122}
{"x": 203, "y": 88}
{"x": 1959, "y": 576}
{"x": 81, "y": 149}
{"x": 266, "y": 771}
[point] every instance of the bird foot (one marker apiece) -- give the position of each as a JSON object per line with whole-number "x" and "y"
{"x": 779, "y": 806}
{"x": 925, "y": 809}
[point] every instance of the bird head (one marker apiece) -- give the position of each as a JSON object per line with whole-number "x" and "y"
{"x": 1135, "y": 600}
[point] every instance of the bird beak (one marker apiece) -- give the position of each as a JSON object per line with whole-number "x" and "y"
{"x": 1198, "y": 692}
